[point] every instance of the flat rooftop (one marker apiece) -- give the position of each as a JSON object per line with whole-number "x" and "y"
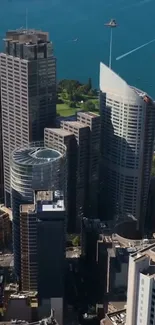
{"x": 12, "y": 287}
{"x": 24, "y": 294}
{"x": 27, "y": 36}
{"x": 55, "y": 202}
{"x": 74, "y": 124}
{"x": 44, "y": 195}
{"x": 6, "y": 260}
{"x": 148, "y": 251}
{"x": 53, "y": 206}
{"x": 118, "y": 317}
{"x": 6, "y": 210}
{"x": 59, "y": 131}
{"x": 73, "y": 252}
{"x": 45, "y": 321}
{"x": 25, "y": 208}
{"x": 88, "y": 114}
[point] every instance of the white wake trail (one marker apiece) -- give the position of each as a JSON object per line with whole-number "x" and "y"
{"x": 134, "y": 50}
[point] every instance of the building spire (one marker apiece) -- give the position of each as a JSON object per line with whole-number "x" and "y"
{"x": 112, "y": 24}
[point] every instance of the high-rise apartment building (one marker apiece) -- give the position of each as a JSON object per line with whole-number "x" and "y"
{"x": 28, "y": 92}
{"x": 81, "y": 132}
{"x": 141, "y": 287}
{"x": 127, "y": 137}
{"x": 93, "y": 121}
{"x": 60, "y": 136}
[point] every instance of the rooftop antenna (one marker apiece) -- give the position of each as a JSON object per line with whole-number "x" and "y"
{"x": 112, "y": 24}
{"x": 26, "y": 19}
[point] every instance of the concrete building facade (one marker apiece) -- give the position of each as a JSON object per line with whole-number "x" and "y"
{"x": 127, "y": 138}
{"x": 28, "y": 92}
{"x": 66, "y": 138}
{"x": 81, "y": 132}
{"x": 93, "y": 121}
{"x": 28, "y": 247}
{"x": 141, "y": 288}
{"x": 1, "y": 156}
{"x": 34, "y": 167}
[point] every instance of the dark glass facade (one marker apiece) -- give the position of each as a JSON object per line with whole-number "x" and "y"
{"x": 51, "y": 253}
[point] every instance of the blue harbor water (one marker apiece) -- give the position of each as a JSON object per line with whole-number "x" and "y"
{"x": 67, "y": 20}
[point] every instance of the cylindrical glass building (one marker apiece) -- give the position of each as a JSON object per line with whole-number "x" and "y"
{"x": 34, "y": 167}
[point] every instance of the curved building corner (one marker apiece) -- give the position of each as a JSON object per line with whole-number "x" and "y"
{"x": 127, "y": 137}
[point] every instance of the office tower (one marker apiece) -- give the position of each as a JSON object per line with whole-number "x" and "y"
{"x": 5, "y": 230}
{"x": 28, "y": 92}
{"x": 68, "y": 139}
{"x": 1, "y": 157}
{"x": 81, "y": 133}
{"x": 34, "y": 167}
{"x": 127, "y": 137}
{"x": 42, "y": 239}
{"x": 51, "y": 249}
{"x": 93, "y": 121}
{"x": 28, "y": 248}
{"x": 141, "y": 287}
{"x": 150, "y": 220}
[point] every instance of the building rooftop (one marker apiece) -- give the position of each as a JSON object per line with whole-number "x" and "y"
{"x": 45, "y": 321}
{"x": 34, "y": 155}
{"x": 74, "y": 124}
{"x": 112, "y": 83}
{"x": 90, "y": 115}
{"x": 148, "y": 250}
{"x": 25, "y": 208}
{"x": 6, "y": 210}
{"x": 117, "y": 317}
{"x": 73, "y": 252}
{"x": 6, "y": 260}
{"x": 44, "y": 195}
{"x": 27, "y": 36}
{"x": 55, "y": 203}
{"x": 12, "y": 287}
{"x": 24, "y": 295}
{"x": 59, "y": 131}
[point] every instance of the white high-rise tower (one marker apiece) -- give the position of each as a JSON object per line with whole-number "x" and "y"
{"x": 141, "y": 288}
{"x": 127, "y": 137}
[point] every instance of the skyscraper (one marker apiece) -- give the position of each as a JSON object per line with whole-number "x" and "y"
{"x": 127, "y": 137}
{"x": 33, "y": 167}
{"x": 51, "y": 236}
{"x": 141, "y": 287}
{"x": 42, "y": 241}
{"x": 1, "y": 157}
{"x": 81, "y": 132}
{"x": 93, "y": 121}
{"x": 28, "y": 92}
{"x": 67, "y": 138}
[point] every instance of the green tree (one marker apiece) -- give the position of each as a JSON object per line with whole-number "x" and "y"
{"x": 76, "y": 241}
{"x": 89, "y": 86}
{"x": 89, "y": 106}
{"x": 72, "y": 104}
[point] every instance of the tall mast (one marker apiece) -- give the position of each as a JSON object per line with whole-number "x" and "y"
{"x": 112, "y": 24}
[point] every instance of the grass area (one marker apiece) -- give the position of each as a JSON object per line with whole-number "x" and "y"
{"x": 63, "y": 109}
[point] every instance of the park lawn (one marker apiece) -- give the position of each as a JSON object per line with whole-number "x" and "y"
{"x": 65, "y": 110}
